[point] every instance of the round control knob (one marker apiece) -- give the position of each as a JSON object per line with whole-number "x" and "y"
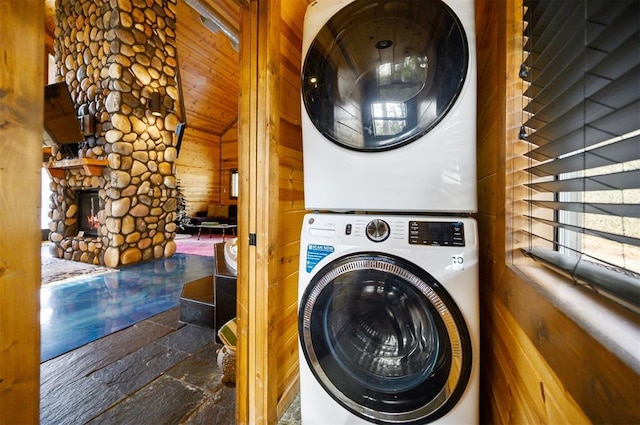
{"x": 377, "y": 230}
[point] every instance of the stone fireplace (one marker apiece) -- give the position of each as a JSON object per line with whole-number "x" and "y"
{"x": 113, "y": 56}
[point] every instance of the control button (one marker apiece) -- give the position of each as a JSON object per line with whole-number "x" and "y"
{"x": 377, "y": 230}
{"x": 347, "y": 230}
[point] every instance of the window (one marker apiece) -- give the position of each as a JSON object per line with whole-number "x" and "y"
{"x": 389, "y": 118}
{"x": 581, "y": 118}
{"x": 234, "y": 184}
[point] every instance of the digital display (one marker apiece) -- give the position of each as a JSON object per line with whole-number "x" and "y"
{"x": 436, "y": 233}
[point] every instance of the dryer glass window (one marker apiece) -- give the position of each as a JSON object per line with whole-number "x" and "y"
{"x": 381, "y": 335}
{"x": 381, "y": 74}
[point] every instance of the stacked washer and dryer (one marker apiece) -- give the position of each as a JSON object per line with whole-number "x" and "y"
{"x": 388, "y": 287}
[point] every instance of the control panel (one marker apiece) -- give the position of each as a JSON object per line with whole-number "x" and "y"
{"x": 436, "y": 233}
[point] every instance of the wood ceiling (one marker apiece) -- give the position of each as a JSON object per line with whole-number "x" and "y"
{"x": 208, "y": 65}
{"x": 209, "y": 68}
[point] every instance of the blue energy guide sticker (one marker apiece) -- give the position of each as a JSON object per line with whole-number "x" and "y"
{"x": 315, "y": 254}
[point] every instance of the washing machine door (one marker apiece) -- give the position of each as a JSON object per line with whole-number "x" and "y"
{"x": 385, "y": 339}
{"x": 381, "y": 74}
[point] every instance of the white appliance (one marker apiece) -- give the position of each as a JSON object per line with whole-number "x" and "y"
{"x": 388, "y": 319}
{"x": 389, "y": 106}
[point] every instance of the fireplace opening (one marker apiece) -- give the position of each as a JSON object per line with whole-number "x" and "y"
{"x": 88, "y": 208}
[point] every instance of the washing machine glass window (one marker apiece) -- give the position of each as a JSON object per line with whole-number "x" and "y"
{"x": 385, "y": 339}
{"x": 381, "y": 74}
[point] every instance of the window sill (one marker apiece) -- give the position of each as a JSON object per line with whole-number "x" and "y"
{"x": 613, "y": 326}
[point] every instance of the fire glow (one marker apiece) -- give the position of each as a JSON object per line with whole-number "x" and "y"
{"x": 92, "y": 221}
{"x": 92, "y": 218}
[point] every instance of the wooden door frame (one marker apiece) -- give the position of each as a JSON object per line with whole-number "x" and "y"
{"x": 258, "y": 137}
{"x": 21, "y": 124}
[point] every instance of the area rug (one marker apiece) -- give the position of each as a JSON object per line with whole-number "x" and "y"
{"x": 56, "y": 270}
{"x": 189, "y": 244}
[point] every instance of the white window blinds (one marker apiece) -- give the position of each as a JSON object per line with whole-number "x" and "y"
{"x": 581, "y": 117}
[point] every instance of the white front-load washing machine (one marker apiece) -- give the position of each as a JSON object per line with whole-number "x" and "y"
{"x": 389, "y": 105}
{"x": 388, "y": 319}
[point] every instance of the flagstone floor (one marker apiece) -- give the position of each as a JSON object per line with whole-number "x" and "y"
{"x": 151, "y": 370}
{"x": 157, "y": 371}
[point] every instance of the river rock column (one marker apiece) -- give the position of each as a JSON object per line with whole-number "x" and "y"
{"x": 113, "y": 55}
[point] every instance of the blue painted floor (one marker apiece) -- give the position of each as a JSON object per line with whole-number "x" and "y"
{"x": 75, "y": 313}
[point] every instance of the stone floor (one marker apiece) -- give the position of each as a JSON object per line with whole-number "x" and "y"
{"x": 158, "y": 371}
{"x": 292, "y": 414}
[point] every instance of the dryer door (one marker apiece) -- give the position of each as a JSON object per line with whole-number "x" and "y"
{"x": 385, "y": 339}
{"x": 381, "y": 74}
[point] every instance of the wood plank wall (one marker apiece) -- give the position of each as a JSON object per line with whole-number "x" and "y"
{"x": 228, "y": 163}
{"x": 270, "y": 162}
{"x": 198, "y": 169}
{"x": 258, "y": 135}
{"x": 538, "y": 366}
{"x": 290, "y": 201}
{"x": 21, "y": 123}
{"x": 204, "y": 168}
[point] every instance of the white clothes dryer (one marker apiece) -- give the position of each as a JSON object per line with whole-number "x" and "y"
{"x": 388, "y": 320}
{"x": 389, "y": 105}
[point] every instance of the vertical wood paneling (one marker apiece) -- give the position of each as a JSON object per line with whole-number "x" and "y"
{"x": 246, "y": 256}
{"x": 259, "y": 134}
{"x": 290, "y": 200}
{"x": 21, "y": 124}
{"x": 271, "y": 136}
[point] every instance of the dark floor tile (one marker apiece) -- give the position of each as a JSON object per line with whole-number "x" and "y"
{"x": 71, "y": 366}
{"x": 189, "y": 339}
{"x": 215, "y": 410}
{"x": 132, "y": 372}
{"x": 170, "y": 318}
{"x": 226, "y": 396}
{"x": 77, "y": 402}
{"x": 166, "y": 401}
{"x": 200, "y": 369}
{"x": 132, "y": 338}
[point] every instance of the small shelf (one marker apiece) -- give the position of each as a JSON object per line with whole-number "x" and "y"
{"x": 90, "y": 166}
